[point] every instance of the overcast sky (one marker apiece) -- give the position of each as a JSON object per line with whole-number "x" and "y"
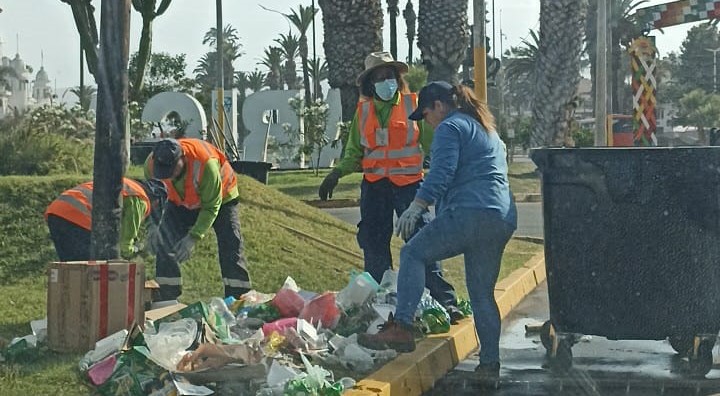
{"x": 47, "y": 26}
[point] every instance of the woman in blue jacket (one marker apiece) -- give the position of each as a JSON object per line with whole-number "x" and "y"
{"x": 475, "y": 216}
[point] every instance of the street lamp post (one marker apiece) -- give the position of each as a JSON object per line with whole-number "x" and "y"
{"x": 714, "y": 51}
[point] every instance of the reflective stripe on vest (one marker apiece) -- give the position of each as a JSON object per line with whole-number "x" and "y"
{"x": 75, "y": 204}
{"x": 385, "y": 156}
{"x": 197, "y": 153}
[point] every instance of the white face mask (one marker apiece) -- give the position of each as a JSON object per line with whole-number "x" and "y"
{"x": 385, "y": 90}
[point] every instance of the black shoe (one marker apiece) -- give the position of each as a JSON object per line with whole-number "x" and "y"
{"x": 488, "y": 374}
{"x": 455, "y": 314}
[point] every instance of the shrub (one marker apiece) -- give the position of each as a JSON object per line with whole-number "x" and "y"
{"x": 48, "y": 140}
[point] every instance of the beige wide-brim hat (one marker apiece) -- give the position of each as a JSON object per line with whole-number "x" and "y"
{"x": 378, "y": 59}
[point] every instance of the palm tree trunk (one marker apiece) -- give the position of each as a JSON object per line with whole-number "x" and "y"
{"x": 393, "y": 34}
{"x": 443, "y": 37}
{"x": 306, "y": 72}
{"x": 558, "y": 69}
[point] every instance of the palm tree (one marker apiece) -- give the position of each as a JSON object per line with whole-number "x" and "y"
{"x": 410, "y": 19}
{"x": 318, "y": 70}
{"x": 302, "y": 18}
{"x": 352, "y": 30}
{"x": 520, "y": 63}
{"x": 231, "y": 50}
{"x": 443, "y": 37}
{"x": 557, "y": 70}
{"x": 256, "y": 80}
{"x": 146, "y": 8}
{"x": 289, "y": 46}
{"x": 273, "y": 61}
{"x": 85, "y": 95}
{"x": 393, "y": 11}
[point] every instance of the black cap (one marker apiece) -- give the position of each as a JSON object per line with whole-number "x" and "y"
{"x": 166, "y": 154}
{"x": 436, "y": 90}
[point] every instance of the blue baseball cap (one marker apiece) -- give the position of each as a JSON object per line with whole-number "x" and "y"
{"x": 436, "y": 90}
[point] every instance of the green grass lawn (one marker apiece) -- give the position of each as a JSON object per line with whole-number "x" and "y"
{"x": 272, "y": 251}
{"x": 303, "y": 184}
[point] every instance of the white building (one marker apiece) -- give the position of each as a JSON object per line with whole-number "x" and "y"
{"x": 17, "y": 89}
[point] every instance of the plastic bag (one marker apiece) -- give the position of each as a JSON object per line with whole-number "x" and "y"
{"x": 322, "y": 309}
{"x": 168, "y": 345}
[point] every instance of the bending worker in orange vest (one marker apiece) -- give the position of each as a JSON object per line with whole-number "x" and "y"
{"x": 202, "y": 193}
{"x": 389, "y": 149}
{"x": 69, "y": 217}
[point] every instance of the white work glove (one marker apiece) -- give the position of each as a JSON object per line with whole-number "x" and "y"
{"x": 407, "y": 222}
{"x": 153, "y": 238}
{"x": 184, "y": 248}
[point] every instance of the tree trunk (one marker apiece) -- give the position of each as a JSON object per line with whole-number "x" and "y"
{"x": 348, "y": 97}
{"x": 87, "y": 29}
{"x": 143, "y": 56}
{"x": 111, "y": 137}
{"x": 393, "y": 35}
{"x": 557, "y": 69}
{"x": 306, "y": 73}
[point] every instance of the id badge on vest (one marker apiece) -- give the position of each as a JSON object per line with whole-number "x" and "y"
{"x": 381, "y": 137}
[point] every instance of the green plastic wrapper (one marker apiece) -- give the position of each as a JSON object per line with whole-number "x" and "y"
{"x": 435, "y": 321}
{"x": 265, "y": 312}
{"x": 300, "y": 387}
{"x": 465, "y": 307}
{"x": 135, "y": 374}
{"x": 20, "y": 351}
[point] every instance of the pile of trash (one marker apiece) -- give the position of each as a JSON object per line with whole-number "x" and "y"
{"x": 292, "y": 342}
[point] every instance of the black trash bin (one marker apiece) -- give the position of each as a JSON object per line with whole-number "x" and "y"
{"x": 257, "y": 170}
{"x": 632, "y": 241}
{"x": 140, "y": 151}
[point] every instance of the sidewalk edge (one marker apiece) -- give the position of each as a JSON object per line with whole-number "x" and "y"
{"x": 412, "y": 374}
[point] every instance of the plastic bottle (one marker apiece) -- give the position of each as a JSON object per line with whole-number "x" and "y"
{"x": 360, "y": 289}
{"x": 218, "y": 306}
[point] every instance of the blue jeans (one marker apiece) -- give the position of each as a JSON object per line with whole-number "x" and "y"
{"x": 481, "y": 235}
{"x": 378, "y": 202}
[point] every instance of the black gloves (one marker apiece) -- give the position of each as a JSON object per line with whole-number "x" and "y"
{"x": 328, "y": 185}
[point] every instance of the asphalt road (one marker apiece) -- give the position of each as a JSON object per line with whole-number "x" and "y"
{"x": 530, "y": 222}
{"x": 600, "y": 366}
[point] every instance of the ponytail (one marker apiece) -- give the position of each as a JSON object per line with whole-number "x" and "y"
{"x": 468, "y": 103}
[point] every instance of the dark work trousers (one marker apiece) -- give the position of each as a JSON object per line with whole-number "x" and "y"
{"x": 378, "y": 202}
{"x": 175, "y": 224}
{"x": 72, "y": 242}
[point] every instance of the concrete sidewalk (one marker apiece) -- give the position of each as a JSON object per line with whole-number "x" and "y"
{"x": 412, "y": 374}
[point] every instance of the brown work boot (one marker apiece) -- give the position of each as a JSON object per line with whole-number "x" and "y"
{"x": 392, "y": 335}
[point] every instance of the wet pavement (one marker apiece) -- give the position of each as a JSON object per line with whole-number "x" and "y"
{"x": 600, "y": 366}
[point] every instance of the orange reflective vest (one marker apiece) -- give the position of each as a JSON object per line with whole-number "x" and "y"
{"x": 75, "y": 204}
{"x": 197, "y": 153}
{"x": 391, "y": 152}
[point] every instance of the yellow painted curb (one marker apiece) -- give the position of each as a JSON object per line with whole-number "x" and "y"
{"x": 412, "y": 374}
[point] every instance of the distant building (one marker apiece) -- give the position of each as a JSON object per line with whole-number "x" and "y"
{"x": 17, "y": 90}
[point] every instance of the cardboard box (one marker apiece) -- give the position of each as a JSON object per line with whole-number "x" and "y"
{"x": 151, "y": 291}
{"x": 89, "y": 300}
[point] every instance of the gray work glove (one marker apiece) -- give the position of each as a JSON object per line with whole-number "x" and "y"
{"x": 328, "y": 185}
{"x": 408, "y": 221}
{"x": 184, "y": 248}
